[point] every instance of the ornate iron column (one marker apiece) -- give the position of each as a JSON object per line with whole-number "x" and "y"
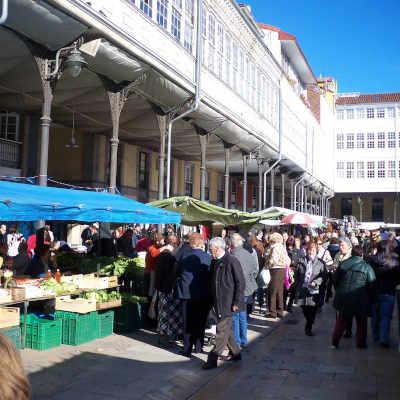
{"x": 162, "y": 124}
{"x": 203, "y": 166}
{"x": 48, "y": 86}
{"x": 245, "y": 158}
{"x": 227, "y": 148}
{"x": 260, "y": 163}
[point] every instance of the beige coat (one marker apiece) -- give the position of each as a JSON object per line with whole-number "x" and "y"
{"x": 278, "y": 257}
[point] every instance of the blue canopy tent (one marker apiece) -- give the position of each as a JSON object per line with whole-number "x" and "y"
{"x": 23, "y": 202}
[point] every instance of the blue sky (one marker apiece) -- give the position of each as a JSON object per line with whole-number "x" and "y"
{"x": 355, "y": 41}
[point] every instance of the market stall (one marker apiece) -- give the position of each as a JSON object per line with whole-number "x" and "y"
{"x": 197, "y": 212}
{"x": 84, "y": 303}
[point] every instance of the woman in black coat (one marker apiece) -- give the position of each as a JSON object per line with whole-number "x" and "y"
{"x": 310, "y": 275}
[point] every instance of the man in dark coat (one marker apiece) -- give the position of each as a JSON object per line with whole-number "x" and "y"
{"x": 227, "y": 292}
{"x": 354, "y": 283}
{"x": 193, "y": 289}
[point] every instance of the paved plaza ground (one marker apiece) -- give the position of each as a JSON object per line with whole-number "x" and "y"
{"x": 280, "y": 363}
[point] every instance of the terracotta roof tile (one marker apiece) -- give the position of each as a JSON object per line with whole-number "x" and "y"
{"x": 368, "y": 99}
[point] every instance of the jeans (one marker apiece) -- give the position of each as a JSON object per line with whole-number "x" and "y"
{"x": 239, "y": 326}
{"x": 398, "y": 308}
{"x": 382, "y": 313}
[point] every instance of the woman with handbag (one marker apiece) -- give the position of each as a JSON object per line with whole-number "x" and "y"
{"x": 310, "y": 275}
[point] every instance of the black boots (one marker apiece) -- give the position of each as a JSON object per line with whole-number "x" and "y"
{"x": 212, "y": 361}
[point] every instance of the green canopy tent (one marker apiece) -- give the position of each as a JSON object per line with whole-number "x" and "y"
{"x": 197, "y": 212}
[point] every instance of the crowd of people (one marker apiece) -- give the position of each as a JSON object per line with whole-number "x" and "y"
{"x": 224, "y": 278}
{"x": 197, "y": 281}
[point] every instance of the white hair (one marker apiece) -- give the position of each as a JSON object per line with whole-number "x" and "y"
{"x": 237, "y": 240}
{"x": 218, "y": 242}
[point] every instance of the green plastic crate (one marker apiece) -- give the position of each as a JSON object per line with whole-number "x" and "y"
{"x": 78, "y": 328}
{"x": 128, "y": 318}
{"x": 41, "y": 333}
{"x": 106, "y": 324}
{"x": 14, "y": 334}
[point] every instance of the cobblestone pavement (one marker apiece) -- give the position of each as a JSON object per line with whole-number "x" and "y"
{"x": 281, "y": 363}
{"x": 122, "y": 367}
{"x": 289, "y": 365}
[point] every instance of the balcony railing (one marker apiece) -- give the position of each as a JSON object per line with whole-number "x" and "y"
{"x": 10, "y": 153}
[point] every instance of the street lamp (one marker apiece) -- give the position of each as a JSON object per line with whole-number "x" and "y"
{"x": 68, "y": 59}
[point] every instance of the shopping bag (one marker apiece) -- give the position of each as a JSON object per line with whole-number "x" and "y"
{"x": 265, "y": 277}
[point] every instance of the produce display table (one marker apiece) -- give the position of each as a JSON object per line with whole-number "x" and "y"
{"x": 26, "y": 303}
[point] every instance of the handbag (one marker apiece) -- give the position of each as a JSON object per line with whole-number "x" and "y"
{"x": 264, "y": 277}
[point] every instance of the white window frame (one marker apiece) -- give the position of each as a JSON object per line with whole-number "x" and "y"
{"x": 380, "y": 112}
{"x": 371, "y": 169}
{"x": 360, "y": 113}
{"x": 349, "y": 113}
{"x": 350, "y": 140}
{"x": 350, "y": 170}
{"x": 340, "y": 169}
{"x": 147, "y": 7}
{"x": 390, "y": 112}
{"x": 162, "y": 13}
{"x": 391, "y": 137}
{"x": 360, "y": 140}
{"x": 381, "y": 140}
{"x": 370, "y": 140}
{"x": 340, "y": 114}
{"x": 370, "y": 113}
{"x": 227, "y": 59}
{"x": 176, "y": 23}
{"x": 212, "y": 37}
{"x": 391, "y": 169}
{"x": 381, "y": 171}
{"x": 5, "y": 126}
{"x": 220, "y": 49}
{"x": 360, "y": 170}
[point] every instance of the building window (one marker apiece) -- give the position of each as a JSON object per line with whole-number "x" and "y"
{"x": 143, "y": 170}
{"x": 340, "y": 141}
{"x": 162, "y": 13}
{"x": 347, "y": 206}
{"x": 377, "y": 210}
{"x": 207, "y": 186}
{"x": 360, "y": 170}
{"x": 233, "y": 191}
{"x": 188, "y": 180}
{"x": 9, "y": 126}
{"x": 371, "y": 169}
{"x": 350, "y": 170}
{"x": 391, "y": 140}
{"x": 360, "y": 140}
{"x": 220, "y": 189}
{"x": 391, "y": 169}
{"x": 390, "y": 112}
{"x": 228, "y": 59}
{"x": 242, "y": 80}
{"x": 370, "y": 140}
{"x": 370, "y": 113}
{"x": 381, "y": 169}
{"x": 188, "y": 37}
{"x": 381, "y": 140}
{"x": 235, "y": 59}
{"x": 340, "y": 169}
{"x": 340, "y": 114}
{"x": 350, "y": 114}
{"x": 350, "y": 140}
{"x": 360, "y": 113}
{"x": 203, "y": 35}
{"x": 254, "y": 196}
{"x": 211, "y": 42}
{"x": 147, "y": 7}
{"x": 220, "y": 49}
{"x": 176, "y": 24}
{"x": 380, "y": 113}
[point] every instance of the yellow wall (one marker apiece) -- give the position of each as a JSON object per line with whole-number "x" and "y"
{"x": 65, "y": 163}
{"x": 129, "y": 165}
